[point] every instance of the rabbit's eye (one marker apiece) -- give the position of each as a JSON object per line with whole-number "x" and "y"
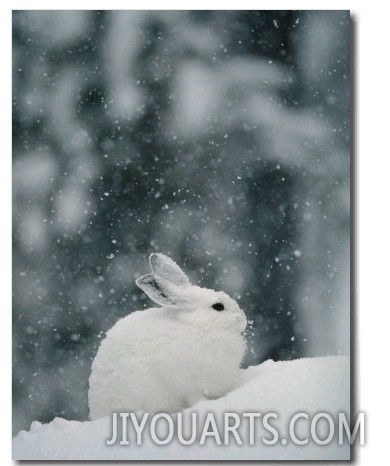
{"x": 218, "y": 306}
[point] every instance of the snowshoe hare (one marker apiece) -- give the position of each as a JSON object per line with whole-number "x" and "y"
{"x": 166, "y": 359}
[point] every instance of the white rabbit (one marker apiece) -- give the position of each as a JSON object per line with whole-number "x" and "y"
{"x": 166, "y": 359}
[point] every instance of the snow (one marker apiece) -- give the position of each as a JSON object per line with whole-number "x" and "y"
{"x": 309, "y": 385}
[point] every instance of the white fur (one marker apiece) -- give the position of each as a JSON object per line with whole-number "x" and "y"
{"x": 166, "y": 359}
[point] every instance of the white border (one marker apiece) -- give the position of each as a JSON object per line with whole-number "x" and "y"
{"x": 5, "y": 231}
{"x": 372, "y": 169}
{"x": 176, "y": 5}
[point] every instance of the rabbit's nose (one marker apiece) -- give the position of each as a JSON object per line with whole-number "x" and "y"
{"x": 241, "y": 321}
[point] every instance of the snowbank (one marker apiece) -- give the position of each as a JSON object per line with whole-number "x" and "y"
{"x": 285, "y": 388}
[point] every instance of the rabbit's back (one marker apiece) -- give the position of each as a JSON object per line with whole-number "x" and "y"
{"x": 123, "y": 376}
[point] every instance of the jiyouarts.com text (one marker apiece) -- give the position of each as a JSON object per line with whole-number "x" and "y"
{"x": 240, "y": 429}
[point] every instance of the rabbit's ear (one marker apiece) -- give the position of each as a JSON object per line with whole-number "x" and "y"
{"x": 158, "y": 290}
{"x": 164, "y": 267}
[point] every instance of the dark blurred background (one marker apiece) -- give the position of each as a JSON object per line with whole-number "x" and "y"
{"x": 220, "y": 138}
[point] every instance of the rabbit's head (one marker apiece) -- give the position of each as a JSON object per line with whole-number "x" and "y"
{"x": 168, "y": 286}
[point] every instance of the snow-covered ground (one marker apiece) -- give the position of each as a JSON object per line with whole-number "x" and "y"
{"x": 306, "y": 385}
